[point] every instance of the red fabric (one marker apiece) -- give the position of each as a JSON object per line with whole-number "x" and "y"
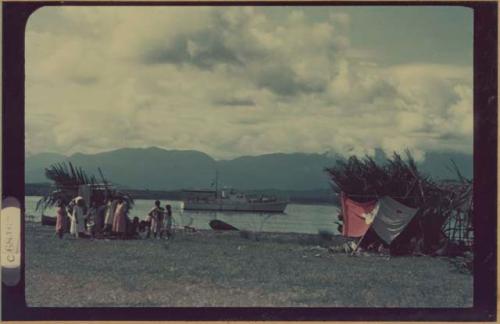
{"x": 352, "y": 211}
{"x": 60, "y": 219}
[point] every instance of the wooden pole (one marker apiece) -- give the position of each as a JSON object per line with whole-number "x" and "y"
{"x": 359, "y": 242}
{"x": 216, "y": 184}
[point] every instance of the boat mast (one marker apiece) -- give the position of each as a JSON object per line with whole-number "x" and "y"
{"x": 216, "y": 183}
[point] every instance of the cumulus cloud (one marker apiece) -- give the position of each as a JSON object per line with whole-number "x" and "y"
{"x": 234, "y": 101}
{"x": 230, "y": 81}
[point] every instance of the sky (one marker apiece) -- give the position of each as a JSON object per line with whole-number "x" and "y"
{"x": 233, "y": 81}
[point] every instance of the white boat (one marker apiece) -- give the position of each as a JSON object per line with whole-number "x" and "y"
{"x": 230, "y": 200}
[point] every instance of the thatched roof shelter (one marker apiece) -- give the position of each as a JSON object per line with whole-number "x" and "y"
{"x": 70, "y": 181}
{"x": 445, "y": 207}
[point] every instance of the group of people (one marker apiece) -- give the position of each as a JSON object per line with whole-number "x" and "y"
{"x": 110, "y": 218}
{"x": 159, "y": 221}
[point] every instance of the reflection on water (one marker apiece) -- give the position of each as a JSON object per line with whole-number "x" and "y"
{"x": 297, "y": 218}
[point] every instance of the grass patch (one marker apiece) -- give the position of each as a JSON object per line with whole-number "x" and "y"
{"x": 227, "y": 269}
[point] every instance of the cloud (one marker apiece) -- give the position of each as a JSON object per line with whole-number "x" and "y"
{"x": 298, "y": 83}
{"x": 252, "y": 44}
{"x": 233, "y": 101}
{"x": 203, "y": 49}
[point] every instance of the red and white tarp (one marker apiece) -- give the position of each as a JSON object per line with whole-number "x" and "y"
{"x": 391, "y": 218}
{"x": 387, "y": 217}
{"x": 354, "y": 214}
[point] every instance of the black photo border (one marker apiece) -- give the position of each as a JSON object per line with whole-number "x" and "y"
{"x": 15, "y": 16}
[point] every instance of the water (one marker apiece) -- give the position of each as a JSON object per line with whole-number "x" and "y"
{"x": 296, "y": 219}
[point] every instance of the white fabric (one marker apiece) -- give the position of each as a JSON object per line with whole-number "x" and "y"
{"x": 369, "y": 217}
{"x": 77, "y": 221}
{"x": 73, "y": 229}
{"x": 110, "y": 213}
{"x": 92, "y": 217}
{"x": 391, "y": 218}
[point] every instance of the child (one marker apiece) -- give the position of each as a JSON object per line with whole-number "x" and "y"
{"x": 92, "y": 219}
{"x": 60, "y": 219}
{"x": 153, "y": 218}
{"x": 133, "y": 228}
{"x": 168, "y": 220}
{"x": 159, "y": 223}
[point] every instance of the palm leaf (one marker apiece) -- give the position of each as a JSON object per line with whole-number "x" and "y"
{"x": 438, "y": 202}
{"x": 67, "y": 178}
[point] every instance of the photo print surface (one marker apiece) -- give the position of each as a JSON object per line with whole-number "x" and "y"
{"x": 249, "y": 156}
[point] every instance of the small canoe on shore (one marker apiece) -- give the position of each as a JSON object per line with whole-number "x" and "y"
{"x": 48, "y": 220}
{"x": 219, "y": 225}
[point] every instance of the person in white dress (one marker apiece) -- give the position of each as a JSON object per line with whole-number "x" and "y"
{"x": 110, "y": 214}
{"x": 153, "y": 219}
{"x": 77, "y": 227}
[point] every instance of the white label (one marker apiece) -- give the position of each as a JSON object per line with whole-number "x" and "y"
{"x": 10, "y": 226}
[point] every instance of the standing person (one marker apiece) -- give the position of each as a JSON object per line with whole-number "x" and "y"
{"x": 119, "y": 219}
{"x": 92, "y": 218}
{"x": 110, "y": 213}
{"x": 168, "y": 220}
{"x": 69, "y": 215}
{"x": 73, "y": 228}
{"x": 101, "y": 215}
{"x": 159, "y": 223}
{"x": 78, "y": 219}
{"x": 152, "y": 219}
{"x": 61, "y": 215}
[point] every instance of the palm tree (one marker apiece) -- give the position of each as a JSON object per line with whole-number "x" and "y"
{"x": 67, "y": 180}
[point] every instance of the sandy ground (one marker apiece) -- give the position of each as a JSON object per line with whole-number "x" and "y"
{"x": 229, "y": 269}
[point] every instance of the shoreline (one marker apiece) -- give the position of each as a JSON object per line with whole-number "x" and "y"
{"x": 308, "y": 197}
{"x": 265, "y": 234}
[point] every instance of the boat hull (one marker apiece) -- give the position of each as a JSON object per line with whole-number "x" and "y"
{"x": 261, "y": 207}
{"x": 49, "y": 220}
{"x": 218, "y": 225}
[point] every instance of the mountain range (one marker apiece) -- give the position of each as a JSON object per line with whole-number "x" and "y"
{"x": 159, "y": 169}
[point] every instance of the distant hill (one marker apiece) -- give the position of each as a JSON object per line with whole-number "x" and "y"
{"x": 35, "y": 165}
{"x": 439, "y": 165}
{"x": 158, "y": 169}
{"x": 295, "y": 171}
{"x": 149, "y": 168}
